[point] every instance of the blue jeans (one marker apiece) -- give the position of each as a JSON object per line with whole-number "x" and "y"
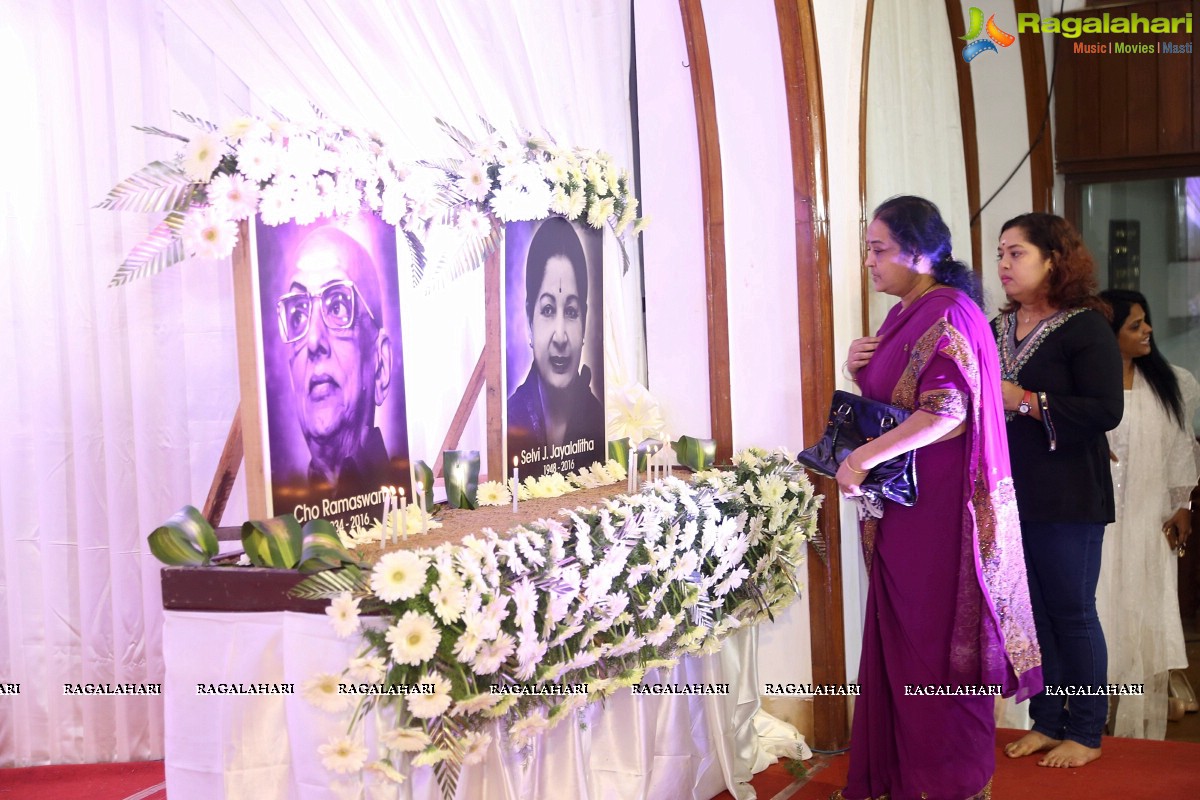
{"x": 1063, "y": 563}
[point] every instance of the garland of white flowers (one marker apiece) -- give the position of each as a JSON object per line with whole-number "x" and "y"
{"x": 286, "y": 171}
{"x": 616, "y": 589}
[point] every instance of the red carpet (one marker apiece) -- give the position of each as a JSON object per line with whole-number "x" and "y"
{"x": 1129, "y": 768}
{"x": 139, "y": 780}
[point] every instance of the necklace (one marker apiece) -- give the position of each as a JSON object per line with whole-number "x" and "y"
{"x": 1030, "y": 319}
{"x": 929, "y": 289}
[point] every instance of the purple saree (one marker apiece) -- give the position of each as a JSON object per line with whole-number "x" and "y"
{"x": 948, "y": 601}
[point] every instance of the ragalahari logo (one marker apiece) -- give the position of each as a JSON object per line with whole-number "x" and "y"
{"x": 995, "y": 36}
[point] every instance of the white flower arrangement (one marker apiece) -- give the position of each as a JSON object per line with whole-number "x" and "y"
{"x": 286, "y": 171}
{"x": 597, "y": 597}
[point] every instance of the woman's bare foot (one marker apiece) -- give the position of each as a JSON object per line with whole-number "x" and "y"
{"x": 1032, "y": 742}
{"x": 1070, "y": 754}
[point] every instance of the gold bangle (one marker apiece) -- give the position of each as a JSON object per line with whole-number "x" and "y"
{"x": 856, "y": 471}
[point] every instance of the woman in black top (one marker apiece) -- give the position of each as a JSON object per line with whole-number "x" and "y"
{"x": 1062, "y": 391}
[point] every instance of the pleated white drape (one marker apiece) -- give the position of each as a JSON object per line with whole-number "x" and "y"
{"x": 122, "y": 397}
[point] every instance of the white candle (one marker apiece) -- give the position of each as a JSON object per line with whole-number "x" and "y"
{"x": 631, "y": 473}
{"x": 383, "y": 522}
{"x": 421, "y": 506}
{"x": 460, "y": 477}
{"x": 515, "y": 484}
{"x": 403, "y": 515}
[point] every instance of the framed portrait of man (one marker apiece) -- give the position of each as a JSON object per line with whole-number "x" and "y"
{"x": 554, "y": 359}
{"x": 331, "y": 377}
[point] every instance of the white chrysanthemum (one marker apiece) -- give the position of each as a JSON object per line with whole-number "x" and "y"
{"x": 476, "y": 703}
{"x": 413, "y": 639}
{"x": 233, "y": 196}
{"x": 238, "y": 127}
{"x": 405, "y": 740}
{"x": 526, "y": 728}
{"x": 475, "y": 746}
{"x": 257, "y": 159}
{"x": 576, "y": 203}
{"x": 449, "y": 599}
{"x": 343, "y": 613}
{"x": 594, "y": 170}
{"x": 207, "y": 234}
{"x": 494, "y": 614}
{"x": 202, "y": 155}
{"x": 628, "y": 215}
{"x": 369, "y": 669}
{"x": 557, "y": 170}
{"x": 473, "y": 183}
{"x": 307, "y": 203}
{"x": 525, "y": 602}
{"x": 399, "y": 575}
{"x": 492, "y": 493}
{"x": 514, "y": 202}
{"x": 492, "y": 655}
{"x": 301, "y": 158}
{"x": 733, "y": 581}
{"x": 342, "y": 754}
{"x": 600, "y": 211}
{"x": 771, "y": 490}
{"x": 663, "y": 631}
{"x": 427, "y": 706}
{"x": 321, "y": 690}
{"x": 395, "y": 202}
{"x": 530, "y": 653}
{"x": 474, "y": 224}
{"x": 467, "y": 643}
{"x": 634, "y": 413}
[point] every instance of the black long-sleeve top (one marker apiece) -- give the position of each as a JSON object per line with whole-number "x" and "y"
{"x": 1060, "y": 464}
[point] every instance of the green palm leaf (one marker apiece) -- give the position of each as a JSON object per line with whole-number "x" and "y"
{"x": 331, "y": 583}
{"x": 158, "y": 186}
{"x": 160, "y": 132}
{"x": 203, "y": 124}
{"x": 184, "y": 539}
{"x": 161, "y": 248}
{"x": 460, "y": 138}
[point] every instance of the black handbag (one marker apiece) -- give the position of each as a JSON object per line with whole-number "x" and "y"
{"x": 855, "y": 420}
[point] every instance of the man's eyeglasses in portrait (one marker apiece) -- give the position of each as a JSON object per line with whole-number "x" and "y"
{"x": 339, "y": 302}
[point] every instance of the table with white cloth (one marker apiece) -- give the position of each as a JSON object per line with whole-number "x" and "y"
{"x": 264, "y": 746}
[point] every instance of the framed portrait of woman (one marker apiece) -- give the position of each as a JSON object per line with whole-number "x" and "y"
{"x": 554, "y": 359}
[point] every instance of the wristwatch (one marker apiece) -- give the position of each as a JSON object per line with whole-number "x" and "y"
{"x": 1026, "y": 404}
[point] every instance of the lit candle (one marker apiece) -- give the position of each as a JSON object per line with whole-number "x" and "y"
{"x": 516, "y": 483}
{"x": 403, "y": 515}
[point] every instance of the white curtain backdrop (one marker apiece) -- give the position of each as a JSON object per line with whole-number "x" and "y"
{"x": 122, "y": 397}
{"x": 914, "y": 129}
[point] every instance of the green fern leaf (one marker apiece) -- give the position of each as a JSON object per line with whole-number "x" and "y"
{"x": 158, "y": 186}
{"x": 330, "y": 583}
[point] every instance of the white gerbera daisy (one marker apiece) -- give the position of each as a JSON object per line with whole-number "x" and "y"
{"x": 474, "y": 183}
{"x": 430, "y": 756}
{"x": 493, "y": 493}
{"x": 202, "y": 155}
{"x": 449, "y": 600}
{"x": 399, "y": 575}
{"x": 473, "y": 223}
{"x": 233, "y": 196}
{"x": 427, "y": 706}
{"x": 475, "y": 746}
{"x": 413, "y": 639}
{"x": 257, "y": 159}
{"x": 370, "y": 669}
{"x": 385, "y": 770}
{"x": 405, "y": 740}
{"x": 492, "y": 655}
{"x": 321, "y": 690}
{"x": 343, "y": 613}
{"x": 207, "y": 234}
{"x": 343, "y": 755}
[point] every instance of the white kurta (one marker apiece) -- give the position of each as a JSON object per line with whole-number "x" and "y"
{"x": 1137, "y": 598}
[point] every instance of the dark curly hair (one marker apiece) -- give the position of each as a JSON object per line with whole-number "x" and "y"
{"x": 554, "y": 237}
{"x": 918, "y": 228}
{"x": 1072, "y": 279}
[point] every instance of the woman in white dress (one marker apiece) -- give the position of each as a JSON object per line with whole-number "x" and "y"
{"x": 1153, "y": 472}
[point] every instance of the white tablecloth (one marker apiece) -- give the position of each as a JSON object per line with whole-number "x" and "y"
{"x": 261, "y": 747}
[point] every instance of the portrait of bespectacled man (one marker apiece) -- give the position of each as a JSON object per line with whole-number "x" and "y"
{"x": 333, "y": 363}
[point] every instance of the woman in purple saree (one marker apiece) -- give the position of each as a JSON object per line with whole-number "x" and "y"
{"x": 948, "y": 620}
